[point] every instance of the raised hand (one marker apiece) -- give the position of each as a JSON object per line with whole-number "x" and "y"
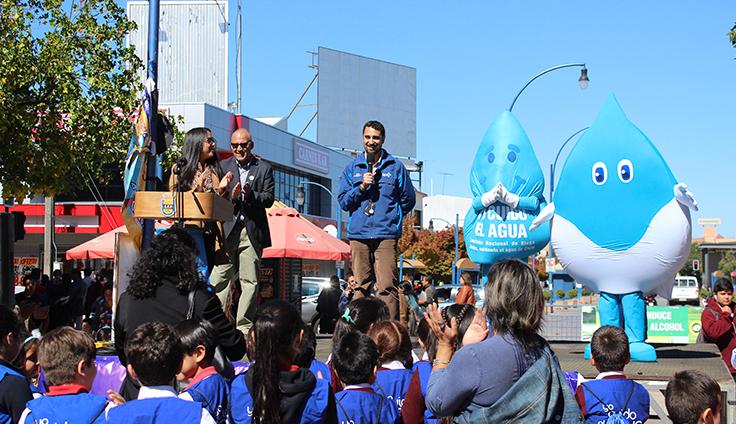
{"x": 684, "y": 196}
{"x": 446, "y": 334}
{"x": 478, "y": 329}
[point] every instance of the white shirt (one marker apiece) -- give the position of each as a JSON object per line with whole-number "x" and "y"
{"x": 150, "y": 392}
{"x": 608, "y": 374}
{"x": 394, "y": 365}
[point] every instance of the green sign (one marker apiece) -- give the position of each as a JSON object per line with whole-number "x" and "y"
{"x": 665, "y": 324}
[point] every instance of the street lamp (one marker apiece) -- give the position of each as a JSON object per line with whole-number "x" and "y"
{"x": 583, "y": 80}
{"x": 552, "y": 169}
{"x": 457, "y": 235}
{"x": 338, "y": 212}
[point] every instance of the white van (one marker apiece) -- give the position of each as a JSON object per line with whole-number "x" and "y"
{"x": 685, "y": 291}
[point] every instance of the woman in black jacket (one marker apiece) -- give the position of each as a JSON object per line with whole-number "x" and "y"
{"x": 158, "y": 291}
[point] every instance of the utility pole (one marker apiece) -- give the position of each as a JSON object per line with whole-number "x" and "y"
{"x": 49, "y": 226}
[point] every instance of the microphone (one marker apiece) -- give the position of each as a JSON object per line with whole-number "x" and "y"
{"x": 370, "y": 157}
{"x": 181, "y": 162}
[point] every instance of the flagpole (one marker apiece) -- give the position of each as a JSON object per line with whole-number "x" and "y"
{"x": 153, "y": 22}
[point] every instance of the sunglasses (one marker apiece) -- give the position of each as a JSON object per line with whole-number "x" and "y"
{"x": 243, "y": 145}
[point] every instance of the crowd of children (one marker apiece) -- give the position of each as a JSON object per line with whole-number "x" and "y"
{"x": 371, "y": 376}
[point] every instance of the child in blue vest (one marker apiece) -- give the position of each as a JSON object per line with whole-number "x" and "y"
{"x": 275, "y": 389}
{"x": 693, "y": 397}
{"x": 14, "y": 387}
{"x": 394, "y": 358}
{"x": 154, "y": 353}
{"x": 305, "y": 358}
{"x": 355, "y": 358}
{"x": 611, "y": 392}
{"x": 199, "y": 340}
{"x": 67, "y": 357}
{"x": 414, "y": 409}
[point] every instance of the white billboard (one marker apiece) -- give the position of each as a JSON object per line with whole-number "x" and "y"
{"x": 354, "y": 89}
{"x": 192, "y": 49}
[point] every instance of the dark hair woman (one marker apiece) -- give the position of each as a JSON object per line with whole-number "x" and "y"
{"x": 464, "y": 384}
{"x": 274, "y": 389}
{"x": 201, "y": 172}
{"x": 718, "y": 320}
{"x": 159, "y": 289}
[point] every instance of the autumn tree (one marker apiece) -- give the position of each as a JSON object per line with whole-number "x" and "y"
{"x": 67, "y": 85}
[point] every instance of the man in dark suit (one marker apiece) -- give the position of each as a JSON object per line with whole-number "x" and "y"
{"x": 246, "y": 231}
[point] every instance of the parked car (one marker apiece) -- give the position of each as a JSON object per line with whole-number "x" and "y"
{"x": 685, "y": 291}
{"x": 446, "y": 293}
{"x": 311, "y": 288}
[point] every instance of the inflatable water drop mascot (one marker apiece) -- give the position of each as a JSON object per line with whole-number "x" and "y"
{"x": 620, "y": 222}
{"x": 507, "y": 185}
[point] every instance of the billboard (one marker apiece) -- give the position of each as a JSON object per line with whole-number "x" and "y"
{"x": 192, "y": 49}
{"x": 354, "y": 89}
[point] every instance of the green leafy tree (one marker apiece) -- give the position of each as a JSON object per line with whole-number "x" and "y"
{"x": 547, "y": 295}
{"x": 732, "y": 35}
{"x": 572, "y": 293}
{"x": 727, "y": 264}
{"x": 436, "y": 249}
{"x": 687, "y": 268}
{"x": 586, "y": 292}
{"x": 560, "y": 293}
{"x": 67, "y": 87}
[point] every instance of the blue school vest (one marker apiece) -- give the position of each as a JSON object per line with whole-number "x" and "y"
{"x": 393, "y": 384}
{"x": 5, "y": 417}
{"x": 424, "y": 369}
{"x": 361, "y": 407}
{"x": 241, "y": 402}
{"x": 80, "y": 408}
{"x": 614, "y": 392}
{"x": 322, "y": 368}
{"x": 168, "y": 410}
{"x": 213, "y": 393}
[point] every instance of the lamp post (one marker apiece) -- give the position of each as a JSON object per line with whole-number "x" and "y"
{"x": 553, "y": 168}
{"x": 583, "y": 80}
{"x": 338, "y": 212}
{"x": 457, "y": 235}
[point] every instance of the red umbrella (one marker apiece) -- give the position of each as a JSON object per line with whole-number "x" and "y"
{"x": 292, "y": 236}
{"x": 101, "y": 247}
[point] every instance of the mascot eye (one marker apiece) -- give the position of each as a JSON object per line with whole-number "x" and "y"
{"x": 511, "y": 157}
{"x": 600, "y": 173}
{"x": 491, "y": 157}
{"x": 625, "y": 171}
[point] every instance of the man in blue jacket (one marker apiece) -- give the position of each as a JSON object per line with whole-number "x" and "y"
{"x": 375, "y": 189}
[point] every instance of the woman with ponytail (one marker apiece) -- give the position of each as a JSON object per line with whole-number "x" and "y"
{"x": 274, "y": 390}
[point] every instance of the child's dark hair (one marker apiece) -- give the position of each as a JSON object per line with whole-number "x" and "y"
{"x": 689, "y": 393}
{"x": 155, "y": 353}
{"x": 9, "y": 324}
{"x": 307, "y": 349}
{"x": 393, "y": 341}
{"x": 250, "y": 344}
{"x": 359, "y": 315}
{"x": 722, "y": 284}
{"x": 193, "y": 333}
{"x": 425, "y": 334}
{"x": 61, "y": 350}
{"x": 464, "y": 314}
{"x": 354, "y": 357}
{"x": 609, "y": 347}
{"x": 276, "y": 326}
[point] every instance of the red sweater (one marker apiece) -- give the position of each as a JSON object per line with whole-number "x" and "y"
{"x": 718, "y": 328}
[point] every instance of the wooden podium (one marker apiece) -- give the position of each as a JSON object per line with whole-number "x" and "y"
{"x": 197, "y": 206}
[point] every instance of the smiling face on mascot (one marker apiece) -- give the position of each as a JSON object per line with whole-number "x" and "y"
{"x": 507, "y": 185}
{"x": 620, "y": 221}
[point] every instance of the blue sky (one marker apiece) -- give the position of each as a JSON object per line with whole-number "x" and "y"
{"x": 670, "y": 65}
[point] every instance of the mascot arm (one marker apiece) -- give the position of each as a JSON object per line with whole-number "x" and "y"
{"x": 545, "y": 215}
{"x": 685, "y": 197}
{"x": 487, "y": 199}
{"x": 528, "y": 203}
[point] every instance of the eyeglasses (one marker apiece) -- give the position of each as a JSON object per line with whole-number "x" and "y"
{"x": 211, "y": 140}
{"x": 245, "y": 145}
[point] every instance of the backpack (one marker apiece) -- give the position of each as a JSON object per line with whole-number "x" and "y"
{"x": 616, "y": 417}
{"x": 701, "y": 335}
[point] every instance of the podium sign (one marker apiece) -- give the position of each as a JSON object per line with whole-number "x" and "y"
{"x": 196, "y": 206}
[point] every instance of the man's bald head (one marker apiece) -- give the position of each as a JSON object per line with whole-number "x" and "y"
{"x": 242, "y": 144}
